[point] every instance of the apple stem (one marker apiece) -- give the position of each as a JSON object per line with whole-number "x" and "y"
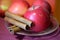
{"x": 33, "y": 7}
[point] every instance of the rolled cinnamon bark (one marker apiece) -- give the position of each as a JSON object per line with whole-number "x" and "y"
{"x": 14, "y": 28}
{"x": 19, "y": 18}
{"x": 17, "y": 23}
{"x": 11, "y": 30}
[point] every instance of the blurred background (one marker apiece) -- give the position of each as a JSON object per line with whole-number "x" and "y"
{"x": 57, "y": 10}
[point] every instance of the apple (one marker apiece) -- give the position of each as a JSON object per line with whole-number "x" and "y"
{"x": 52, "y": 3}
{"x": 39, "y": 17}
{"x": 1, "y": 13}
{"x": 4, "y": 5}
{"x": 18, "y": 7}
{"x": 44, "y": 4}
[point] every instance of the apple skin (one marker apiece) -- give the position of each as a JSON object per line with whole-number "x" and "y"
{"x": 52, "y": 3}
{"x": 18, "y": 7}
{"x": 2, "y": 13}
{"x": 4, "y": 5}
{"x": 44, "y": 4}
{"x": 39, "y": 17}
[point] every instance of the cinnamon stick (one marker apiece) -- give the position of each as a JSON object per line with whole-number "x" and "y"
{"x": 14, "y": 28}
{"x": 14, "y": 22}
{"x": 19, "y": 18}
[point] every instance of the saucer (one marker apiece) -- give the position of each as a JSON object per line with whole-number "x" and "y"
{"x": 49, "y": 30}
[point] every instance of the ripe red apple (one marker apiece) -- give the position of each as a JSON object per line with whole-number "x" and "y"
{"x": 39, "y": 17}
{"x": 4, "y": 5}
{"x": 44, "y": 4}
{"x": 18, "y": 7}
{"x": 1, "y": 13}
{"x": 52, "y": 3}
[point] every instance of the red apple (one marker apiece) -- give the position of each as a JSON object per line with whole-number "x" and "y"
{"x": 1, "y": 13}
{"x": 39, "y": 17}
{"x": 43, "y": 4}
{"x": 18, "y": 7}
{"x": 4, "y": 5}
{"x": 52, "y": 3}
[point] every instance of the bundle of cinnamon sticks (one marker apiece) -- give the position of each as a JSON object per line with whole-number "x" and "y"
{"x": 18, "y": 21}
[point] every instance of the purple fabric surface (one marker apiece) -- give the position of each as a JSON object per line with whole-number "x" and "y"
{"x": 52, "y": 36}
{"x": 4, "y": 33}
